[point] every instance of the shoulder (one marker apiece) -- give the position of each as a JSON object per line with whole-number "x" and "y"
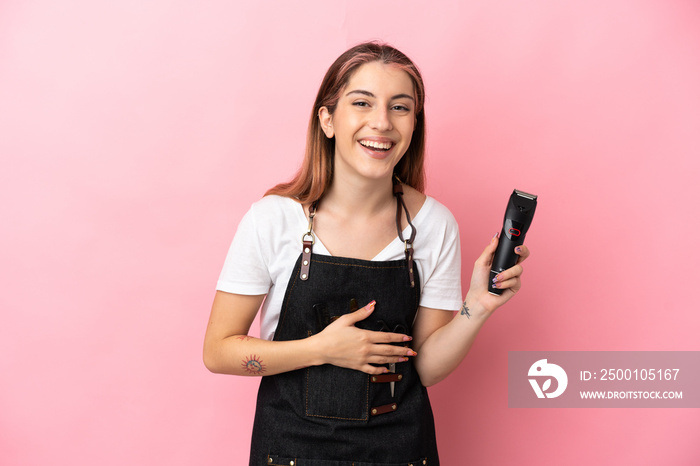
{"x": 273, "y": 215}
{"x": 414, "y": 199}
{"x": 439, "y": 211}
{"x": 419, "y": 204}
{"x": 274, "y": 206}
{"x": 274, "y": 224}
{"x": 428, "y": 210}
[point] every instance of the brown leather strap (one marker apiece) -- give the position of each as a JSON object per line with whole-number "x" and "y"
{"x": 408, "y": 243}
{"x": 383, "y": 378}
{"x": 390, "y": 408}
{"x": 307, "y": 247}
{"x": 398, "y": 192}
{"x": 307, "y": 244}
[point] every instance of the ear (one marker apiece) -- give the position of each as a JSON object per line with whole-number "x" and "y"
{"x": 326, "y": 120}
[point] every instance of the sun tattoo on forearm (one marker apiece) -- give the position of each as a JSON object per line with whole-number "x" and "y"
{"x": 465, "y": 311}
{"x": 253, "y": 365}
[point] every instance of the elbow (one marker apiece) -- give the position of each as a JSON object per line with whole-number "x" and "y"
{"x": 214, "y": 367}
{"x": 430, "y": 381}
{"x": 209, "y": 357}
{"x": 209, "y": 363}
{"x": 430, "y": 378}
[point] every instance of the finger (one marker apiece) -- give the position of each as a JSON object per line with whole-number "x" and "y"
{"x": 388, "y": 337}
{"x": 486, "y": 257}
{"x": 523, "y": 252}
{"x": 370, "y": 369}
{"x": 512, "y": 284}
{"x": 373, "y": 370}
{"x": 360, "y": 314}
{"x": 512, "y": 272}
{"x": 387, "y": 359}
{"x": 391, "y": 351}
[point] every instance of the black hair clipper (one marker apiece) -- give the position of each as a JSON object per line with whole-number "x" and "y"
{"x": 517, "y": 220}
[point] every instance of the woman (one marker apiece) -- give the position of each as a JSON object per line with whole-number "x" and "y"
{"x": 358, "y": 275}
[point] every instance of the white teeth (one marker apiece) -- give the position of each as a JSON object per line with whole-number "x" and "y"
{"x": 376, "y": 145}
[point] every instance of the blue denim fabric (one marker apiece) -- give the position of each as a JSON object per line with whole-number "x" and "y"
{"x": 322, "y": 415}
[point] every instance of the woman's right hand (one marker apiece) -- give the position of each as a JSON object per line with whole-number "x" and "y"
{"x": 343, "y": 344}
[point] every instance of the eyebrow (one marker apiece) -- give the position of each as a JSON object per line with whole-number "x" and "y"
{"x": 369, "y": 94}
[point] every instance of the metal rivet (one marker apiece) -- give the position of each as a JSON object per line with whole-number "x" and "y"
{"x": 374, "y": 411}
{"x": 306, "y": 262}
{"x": 269, "y": 460}
{"x": 400, "y": 376}
{"x": 306, "y": 250}
{"x": 393, "y": 407}
{"x": 303, "y": 276}
{"x": 291, "y": 463}
{"x": 425, "y": 462}
{"x": 374, "y": 379}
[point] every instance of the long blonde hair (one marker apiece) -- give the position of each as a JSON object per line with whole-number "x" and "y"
{"x": 316, "y": 172}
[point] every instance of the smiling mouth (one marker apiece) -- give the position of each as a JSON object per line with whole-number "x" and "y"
{"x": 377, "y": 146}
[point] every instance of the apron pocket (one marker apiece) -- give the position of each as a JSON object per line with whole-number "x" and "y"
{"x": 337, "y": 393}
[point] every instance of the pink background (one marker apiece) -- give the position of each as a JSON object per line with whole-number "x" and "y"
{"x": 134, "y": 135}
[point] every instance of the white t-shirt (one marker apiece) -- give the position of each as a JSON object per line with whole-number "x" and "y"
{"x": 267, "y": 245}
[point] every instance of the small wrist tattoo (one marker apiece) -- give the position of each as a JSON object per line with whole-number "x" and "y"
{"x": 465, "y": 311}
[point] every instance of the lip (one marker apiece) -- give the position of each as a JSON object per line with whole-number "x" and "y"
{"x": 375, "y": 154}
{"x": 376, "y": 139}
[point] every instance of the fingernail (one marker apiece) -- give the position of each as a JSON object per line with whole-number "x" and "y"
{"x": 518, "y": 249}
{"x": 407, "y": 338}
{"x": 496, "y": 278}
{"x": 496, "y": 285}
{"x": 370, "y": 306}
{"x": 496, "y": 235}
{"x": 411, "y": 353}
{"x": 385, "y": 370}
{"x": 403, "y": 359}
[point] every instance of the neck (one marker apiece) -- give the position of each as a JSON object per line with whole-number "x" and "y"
{"x": 360, "y": 196}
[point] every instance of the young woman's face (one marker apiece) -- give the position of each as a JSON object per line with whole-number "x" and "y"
{"x": 373, "y": 121}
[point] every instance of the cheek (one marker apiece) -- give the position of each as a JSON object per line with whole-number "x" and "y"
{"x": 408, "y": 131}
{"x": 408, "y": 125}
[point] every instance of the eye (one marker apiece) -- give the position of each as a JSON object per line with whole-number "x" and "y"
{"x": 401, "y": 108}
{"x": 360, "y": 103}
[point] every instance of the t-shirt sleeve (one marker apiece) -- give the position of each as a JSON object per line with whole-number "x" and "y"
{"x": 245, "y": 269}
{"x": 443, "y": 285}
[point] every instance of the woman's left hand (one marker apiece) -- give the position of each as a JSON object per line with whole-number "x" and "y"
{"x": 478, "y": 299}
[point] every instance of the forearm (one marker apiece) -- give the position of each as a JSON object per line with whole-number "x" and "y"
{"x": 246, "y": 355}
{"x": 229, "y": 350}
{"x": 445, "y": 348}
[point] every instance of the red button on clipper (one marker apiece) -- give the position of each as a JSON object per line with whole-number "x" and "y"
{"x": 514, "y": 232}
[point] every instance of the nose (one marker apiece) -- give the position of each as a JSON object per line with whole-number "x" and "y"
{"x": 380, "y": 119}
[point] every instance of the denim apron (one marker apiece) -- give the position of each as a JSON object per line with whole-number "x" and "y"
{"x": 332, "y": 416}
